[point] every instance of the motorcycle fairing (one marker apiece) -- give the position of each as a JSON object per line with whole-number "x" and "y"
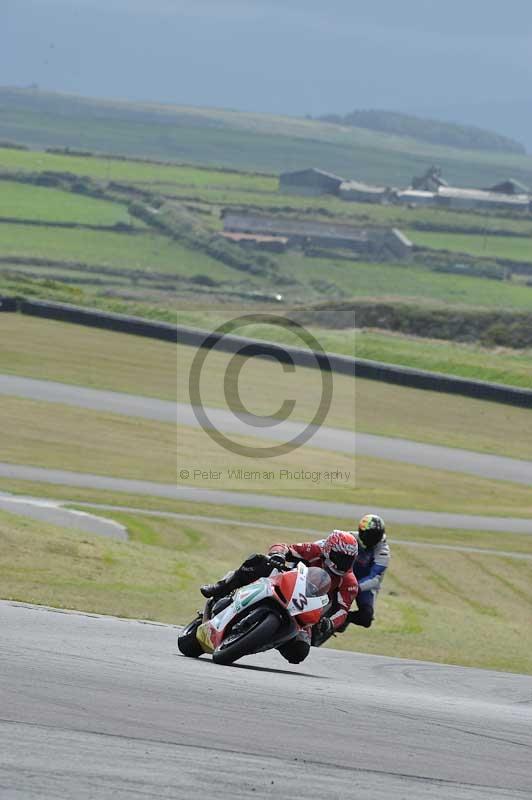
{"x": 306, "y": 610}
{"x": 300, "y": 604}
{"x": 210, "y": 633}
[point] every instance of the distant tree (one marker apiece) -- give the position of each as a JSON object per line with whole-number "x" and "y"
{"x": 434, "y": 131}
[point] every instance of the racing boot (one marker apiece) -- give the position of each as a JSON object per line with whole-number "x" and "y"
{"x": 255, "y": 566}
{"x": 223, "y": 587}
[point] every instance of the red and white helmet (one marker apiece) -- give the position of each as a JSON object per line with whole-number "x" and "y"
{"x": 340, "y": 550}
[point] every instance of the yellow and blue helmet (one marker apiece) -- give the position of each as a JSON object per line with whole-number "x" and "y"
{"x": 371, "y": 530}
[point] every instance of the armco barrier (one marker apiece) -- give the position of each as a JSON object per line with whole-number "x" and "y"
{"x": 99, "y": 319}
{"x": 361, "y": 368}
{"x": 344, "y": 365}
{"x": 8, "y": 304}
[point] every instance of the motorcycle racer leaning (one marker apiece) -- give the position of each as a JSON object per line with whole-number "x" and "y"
{"x": 370, "y": 565}
{"x": 335, "y": 554}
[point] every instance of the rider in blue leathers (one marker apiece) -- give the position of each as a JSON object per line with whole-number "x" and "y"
{"x": 370, "y": 565}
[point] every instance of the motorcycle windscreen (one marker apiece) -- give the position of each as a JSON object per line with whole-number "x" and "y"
{"x": 318, "y": 582}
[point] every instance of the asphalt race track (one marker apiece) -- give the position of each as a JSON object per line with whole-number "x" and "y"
{"x": 52, "y": 512}
{"x": 432, "y": 456}
{"x": 95, "y": 707}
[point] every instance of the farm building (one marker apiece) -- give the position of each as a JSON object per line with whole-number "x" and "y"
{"x": 416, "y": 197}
{"x": 357, "y": 192}
{"x": 312, "y": 182}
{"x": 510, "y": 186}
{"x": 274, "y": 244}
{"x": 452, "y": 197}
{"x": 386, "y": 243}
{"x": 430, "y": 181}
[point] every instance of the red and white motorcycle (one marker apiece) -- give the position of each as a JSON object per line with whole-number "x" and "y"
{"x": 260, "y": 616}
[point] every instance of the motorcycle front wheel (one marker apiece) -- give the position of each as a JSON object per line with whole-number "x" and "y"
{"x": 187, "y": 641}
{"x": 248, "y": 636}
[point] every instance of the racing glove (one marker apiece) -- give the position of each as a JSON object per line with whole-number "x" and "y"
{"x": 322, "y": 631}
{"x": 277, "y": 561}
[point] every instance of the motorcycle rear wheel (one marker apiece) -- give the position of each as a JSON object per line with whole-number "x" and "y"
{"x": 187, "y": 641}
{"x": 253, "y": 638}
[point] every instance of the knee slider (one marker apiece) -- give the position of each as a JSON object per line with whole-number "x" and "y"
{"x": 295, "y": 659}
{"x": 363, "y": 616}
{"x": 295, "y": 652}
{"x": 297, "y": 656}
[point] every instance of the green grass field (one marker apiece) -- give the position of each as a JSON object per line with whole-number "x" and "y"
{"x": 134, "y": 172}
{"x": 145, "y": 251}
{"x": 407, "y": 281}
{"x": 468, "y": 361}
{"x": 448, "y": 615}
{"x": 24, "y": 201}
{"x": 512, "y": 248}
{"x": 310, "y": 278}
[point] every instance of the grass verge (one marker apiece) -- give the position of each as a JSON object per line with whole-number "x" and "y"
{"x": 55, "y": 436}
{"x": 99, "y": 359}
{"x": 107, "y": 360}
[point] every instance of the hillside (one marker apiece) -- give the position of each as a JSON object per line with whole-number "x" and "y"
{"x": 434, "y": 131}
{"x": 243, "y": 141}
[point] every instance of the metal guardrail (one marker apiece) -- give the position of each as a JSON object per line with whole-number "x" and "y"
{"x": 343, "y": 365}
{"x": 99, "y": 319}
{"x": 8, "y": 304}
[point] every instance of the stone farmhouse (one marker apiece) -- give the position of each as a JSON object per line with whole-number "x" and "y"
{"x": 382, "y": 243}
{"x": 430, "y": 189}
{"x": 310, "y": 182}
{"x": 356, "y": 192}
{"x": 471, "y": 199}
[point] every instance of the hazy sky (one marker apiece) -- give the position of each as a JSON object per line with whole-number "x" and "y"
{"x": 465, "y": 59}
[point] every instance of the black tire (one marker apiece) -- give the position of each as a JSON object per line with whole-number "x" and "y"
{"x": 187, "y": 642}
{"x": 262, "y": 628}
